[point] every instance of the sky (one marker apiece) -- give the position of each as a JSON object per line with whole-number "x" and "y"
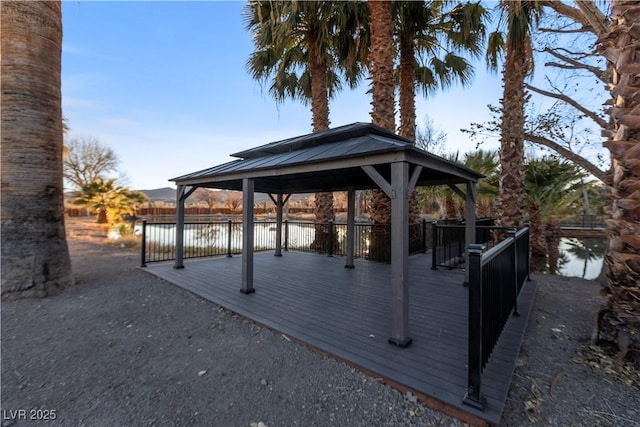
{"x": 165, "y": 85}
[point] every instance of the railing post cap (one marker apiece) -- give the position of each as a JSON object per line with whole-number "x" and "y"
{"x": 476, "y": 248}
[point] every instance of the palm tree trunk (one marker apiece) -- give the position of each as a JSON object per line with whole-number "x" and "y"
{"x": 408, "y": 120}
{"x": 381, "y": 55}
{"x": 35, "y": 256}
{"x": 324, "y": 211}
{"x": 619, "y": 320}
{"x": 407, "y": 88}
{"x": 536, "y": 229}
{"x": 510, "y": 204}
{"x": 553, "y": 235}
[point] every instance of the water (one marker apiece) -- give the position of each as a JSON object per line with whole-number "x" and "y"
{"x": 581, "y": 257}
{"x": 576, "y": 258}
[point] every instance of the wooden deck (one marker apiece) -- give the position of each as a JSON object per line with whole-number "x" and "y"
{"x": 346, "y": 312}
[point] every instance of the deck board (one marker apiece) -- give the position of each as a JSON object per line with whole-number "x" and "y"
{"x": 347, "y": 313}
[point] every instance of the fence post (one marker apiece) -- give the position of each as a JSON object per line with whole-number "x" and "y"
{"x": 473, "y": 397}
{"x": 330, "y": 239}
{"x": 286, "y": 235}
{"x": 229, "y": 231}
{"x": 424, "y": 236}
{"x": 434, "y": 245}
{"x": 143, "y": 255}
{"x": 512, "y": 234}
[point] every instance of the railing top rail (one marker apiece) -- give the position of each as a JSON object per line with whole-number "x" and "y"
{"x": 521, "y": 231}
{"x": 272, "y": 222}
{"x": 478, "y": 227}
{"x": 495, "y": 251}
{"x": 500, "y": 247}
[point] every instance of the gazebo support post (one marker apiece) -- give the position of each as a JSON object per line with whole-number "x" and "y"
{"x": 279, "y": 208}
{"x": 179, "y": 263}
{"x": 470, "y": 225}
{"x": 400, "y": 255}
{"x": 351, "y": 226}
{"x": 181, "y": 195}
{"x": 279, "y": 201}
{"x": 247, "y": 236}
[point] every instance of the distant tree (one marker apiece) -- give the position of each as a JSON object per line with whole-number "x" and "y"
{"x": 87, "y": 160}
{"x": 554, "y": 129}
{"x": 233, "y": 200}
{"x": 431, "y": 138}
{"x": 210, "y": 197}
{"x": 110, "y": 200}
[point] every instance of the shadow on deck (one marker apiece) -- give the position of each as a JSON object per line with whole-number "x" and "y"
{"x": 347, "y": 314}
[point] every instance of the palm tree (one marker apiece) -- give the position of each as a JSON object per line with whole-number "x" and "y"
{"x": 520, "y": 18}
{"x": 486, "y": 162}
{"x": 35, "y": 255}
{"x": 429, "y": 39}
{"x": 300, "y": 50}
{"x": 553, "y": 186}
{"x": 483, "y": 161}
{"x": 381, "y": 56}
{"x": 109, "y": 199}
{"x": 619, "y": 320}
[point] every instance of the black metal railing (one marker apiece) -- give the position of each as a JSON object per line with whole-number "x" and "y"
{"x": 495, "y": 280}
{"x": 205, "y": 239}
{"x": 584, "y": 221}
{"x": 448, "y": 240}
{"x": 201, "y": 239}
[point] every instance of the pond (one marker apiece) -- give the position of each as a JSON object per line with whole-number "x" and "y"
{"x": 581, "y": 257}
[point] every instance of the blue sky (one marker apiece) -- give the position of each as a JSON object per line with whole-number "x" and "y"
{"x": 164, "y": 84}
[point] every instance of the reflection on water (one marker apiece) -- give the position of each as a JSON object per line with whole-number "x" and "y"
{"x": 574, "y": 257}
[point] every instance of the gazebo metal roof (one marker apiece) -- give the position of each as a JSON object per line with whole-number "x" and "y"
{"x": 330, "y": 160}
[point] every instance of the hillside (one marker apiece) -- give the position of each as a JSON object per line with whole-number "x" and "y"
{"x": 166, "y": 194}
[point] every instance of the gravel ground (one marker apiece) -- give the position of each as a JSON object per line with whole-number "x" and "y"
{"x": 123, "y": 348}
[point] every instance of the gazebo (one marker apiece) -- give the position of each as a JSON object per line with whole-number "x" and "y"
{"x": 353, "y": 157}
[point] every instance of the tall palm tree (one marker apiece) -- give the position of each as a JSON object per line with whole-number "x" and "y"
{"x": 619, "y": 320}
{"x": 381, "y": 56}
{"x": 521, "y": 16}
{"x": 35, "y": 255}
{"x": 300, "y": 50}
{"x": 430, "y": 37}
{"x": 432, "y": 43}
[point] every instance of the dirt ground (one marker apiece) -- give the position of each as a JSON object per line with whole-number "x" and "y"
{"x": 123, "y": 348}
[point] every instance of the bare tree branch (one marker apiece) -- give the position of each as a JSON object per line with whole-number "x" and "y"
{"x": 597, "y": 20}
{"x": 576, "y": 64}
{"x": 557, "y": 31}
{"x": 563, "y": 66}
{"x": 569, "y": 155}
{"x": 564, "y": 98}
{"x": 568, "y": 11}
{"x": 579, "y": 55}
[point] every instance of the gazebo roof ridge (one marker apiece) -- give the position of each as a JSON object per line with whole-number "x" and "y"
{"x": 313, "y": 139}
